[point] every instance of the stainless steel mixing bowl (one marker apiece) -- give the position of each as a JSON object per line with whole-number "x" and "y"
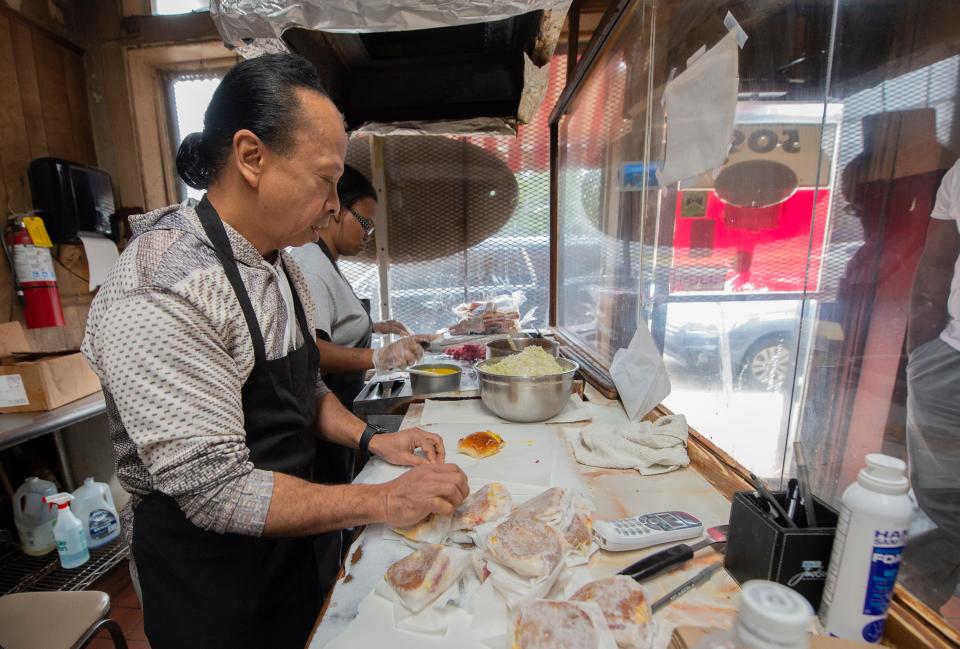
{"x": 526, "y": 399}
{"x": 511, "y": 346}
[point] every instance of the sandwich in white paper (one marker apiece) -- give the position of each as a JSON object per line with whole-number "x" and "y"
{"x": 526, "y": 546}
{"x": 422, "y": 584}
{"x": 517, "y": 561}
{"x": 486, "y": 505}
{"x": 432, "y": 529}
{"x": 552, "y": 507}
{"x": 625, "y": 608}
{"x": 579, "y": 539}
{"x": 548, "y": 624}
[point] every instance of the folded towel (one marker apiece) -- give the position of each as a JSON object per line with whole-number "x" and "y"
{"x": 649, "y": 447}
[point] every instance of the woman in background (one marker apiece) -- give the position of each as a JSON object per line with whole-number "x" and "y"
{"x": 343, "y": 325}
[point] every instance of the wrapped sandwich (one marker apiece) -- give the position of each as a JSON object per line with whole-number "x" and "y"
{"x": 489, "y": 503}
{"x": 625, "y": 608}
{"x": 547, "y": 624}
{"x": 526, "y": 546}
{"x": 432, "y": 529}
{"x": 420, "y": 578}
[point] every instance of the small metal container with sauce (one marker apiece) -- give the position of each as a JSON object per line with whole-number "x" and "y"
{"x": 442, "y": 377}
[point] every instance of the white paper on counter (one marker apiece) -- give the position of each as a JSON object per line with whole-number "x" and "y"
{"x": 530, "y": 453}
{"x": 472, "y": 411}
{"x": 701, "y": 103}
{"x": 374, "y": 627}
{"x": 101, "y": 254}
{"x": 527, "y": 457}
{"x": 639, "y": 373}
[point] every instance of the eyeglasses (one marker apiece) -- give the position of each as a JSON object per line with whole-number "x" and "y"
{"x": 366, "y": 224}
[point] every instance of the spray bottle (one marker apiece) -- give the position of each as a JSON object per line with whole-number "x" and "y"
{"x": 68, "y": 531}
{"x": 866, "y": 553}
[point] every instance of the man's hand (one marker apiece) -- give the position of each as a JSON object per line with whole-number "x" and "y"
{"x": 391, "y": 327}
{"x": 398, "y": 448}
{"x": 421, "y": 491}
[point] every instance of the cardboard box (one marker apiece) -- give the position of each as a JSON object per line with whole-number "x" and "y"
{"x": 686, "y": 637}
{"x": 36, "y": 382}
{"x": 13, "y": 339}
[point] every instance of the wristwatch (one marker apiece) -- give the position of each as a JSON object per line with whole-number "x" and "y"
{"x": 367, "y": 435}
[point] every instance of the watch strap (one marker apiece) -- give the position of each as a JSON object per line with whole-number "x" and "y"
{"x": 367, "y": 435}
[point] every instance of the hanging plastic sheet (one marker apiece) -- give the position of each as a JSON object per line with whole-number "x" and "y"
{"x": 701, "y": 104}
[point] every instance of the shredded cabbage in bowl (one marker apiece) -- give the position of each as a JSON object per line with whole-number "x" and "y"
{"x": 532, "y": 361}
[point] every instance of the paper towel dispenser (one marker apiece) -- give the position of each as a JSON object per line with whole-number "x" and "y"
{"x": 71, "y": 198}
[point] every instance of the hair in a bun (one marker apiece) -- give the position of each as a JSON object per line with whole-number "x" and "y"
{"x": 257, "y": 95}
{"x": 192, "y": 165}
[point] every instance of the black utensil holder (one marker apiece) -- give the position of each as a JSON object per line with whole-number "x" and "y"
{"x": 759, "y": 548}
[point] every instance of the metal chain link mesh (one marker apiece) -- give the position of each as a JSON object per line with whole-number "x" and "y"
{"x": 469, "y": 219}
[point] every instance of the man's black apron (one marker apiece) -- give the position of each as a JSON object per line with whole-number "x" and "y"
{"x": 334, "y": 462}
{"x": 203, "y": 589}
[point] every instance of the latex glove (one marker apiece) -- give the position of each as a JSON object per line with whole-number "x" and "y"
{"x": 391, "y": 327}
{"x": 398, "y": 355}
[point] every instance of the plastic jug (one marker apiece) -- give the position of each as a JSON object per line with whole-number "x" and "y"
{"x": 93, "y": 505}
{"x": 34, "y": 520}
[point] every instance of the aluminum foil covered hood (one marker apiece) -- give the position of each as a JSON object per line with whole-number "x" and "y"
{"x": 239, "y": 20}
{"x": 404, "y": 66}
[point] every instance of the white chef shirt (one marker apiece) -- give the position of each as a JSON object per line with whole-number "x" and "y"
{"x": 339, "y": 315}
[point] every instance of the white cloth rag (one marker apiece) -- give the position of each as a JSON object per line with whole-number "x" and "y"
{"x": 649, "y": 447}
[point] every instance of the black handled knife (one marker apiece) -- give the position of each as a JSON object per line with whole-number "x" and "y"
{"x": 659, "y": 561}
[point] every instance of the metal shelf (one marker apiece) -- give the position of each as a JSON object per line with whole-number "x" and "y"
{"x": 20, "y": 572}
{"x": 18, "y": 428}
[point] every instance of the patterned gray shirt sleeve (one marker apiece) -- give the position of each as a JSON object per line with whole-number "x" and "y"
{"x": 178, "y": 390}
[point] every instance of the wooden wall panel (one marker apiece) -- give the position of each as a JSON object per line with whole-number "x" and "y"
{"x": 53, "y": 98}
{"x": 43, "y": 106}
{"x": 14, "y": 149}
{"x": 29, "y": 89}
{"x": 79, "y": 110}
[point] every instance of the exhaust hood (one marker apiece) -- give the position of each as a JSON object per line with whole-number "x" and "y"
{"x": 401, "y": 66}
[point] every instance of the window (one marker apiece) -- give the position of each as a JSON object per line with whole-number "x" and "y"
{"x": 189, "y": 95}
{"x": 170, "y": 7}
{"x": 780, "y": 282}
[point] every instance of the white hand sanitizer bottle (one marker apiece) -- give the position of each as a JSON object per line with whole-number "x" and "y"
{"x": 866, "y": 553}
{"x": 68, "y": 531}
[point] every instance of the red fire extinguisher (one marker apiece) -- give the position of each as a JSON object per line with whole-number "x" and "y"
{"x": 35, "y": 278}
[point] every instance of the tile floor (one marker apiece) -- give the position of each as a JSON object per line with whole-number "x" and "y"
{"x": 125, "y": 609}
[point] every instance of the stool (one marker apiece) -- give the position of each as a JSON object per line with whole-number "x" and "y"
{"x": 56, "y": 620}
